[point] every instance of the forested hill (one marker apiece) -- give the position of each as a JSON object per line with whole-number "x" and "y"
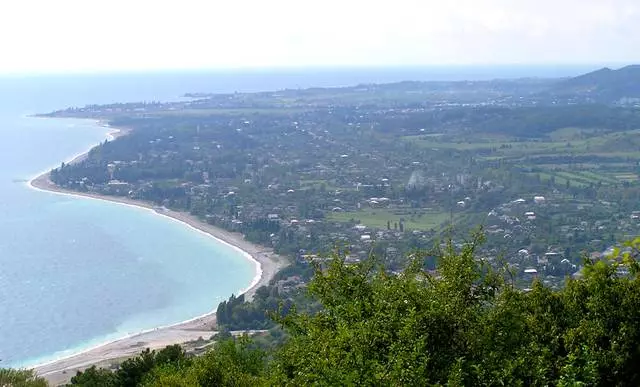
{"x": 603, "y": 86}
{"x": 522, "y": 122}
{"x": 382, "y": 167}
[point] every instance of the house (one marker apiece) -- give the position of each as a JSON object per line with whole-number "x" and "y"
{"x": 553, "y": 257}
{"x": 117, "y": 183}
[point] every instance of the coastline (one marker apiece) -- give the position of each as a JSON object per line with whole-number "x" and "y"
{"x": 266, "y": 262}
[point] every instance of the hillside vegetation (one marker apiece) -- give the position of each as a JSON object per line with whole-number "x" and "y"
{"x": 604, "y": 85}
{"x": 465, "y": 325}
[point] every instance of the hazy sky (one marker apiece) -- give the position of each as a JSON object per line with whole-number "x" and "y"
{"x": 87, "y": 35}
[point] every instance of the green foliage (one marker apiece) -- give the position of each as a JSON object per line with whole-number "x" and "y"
{"x": 232, "y": 362}
{"x": 378, "y": 328}
{"x": 465, "y": 324}
{"x": 236, "y": 314}
{"x": 20, "y": 378}
{"x": 95, "y": 377}
{"x": 133, "y": 371}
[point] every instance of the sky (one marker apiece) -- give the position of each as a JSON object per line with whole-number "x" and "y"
{"x": 45, "y": 36}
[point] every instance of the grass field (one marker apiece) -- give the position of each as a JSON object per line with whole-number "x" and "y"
{"x": 233, "y": 112}
{"x": 377, "y": 218}
{"x": 552, "y": 156}
{"x": 544, "y": 177}
{"x": 327, "y": 184}
{"x": 563, "y": 141}
{"x": 598, "y": 177}
{"x": 627, "y": 177}
{"x": 578, "y": 177}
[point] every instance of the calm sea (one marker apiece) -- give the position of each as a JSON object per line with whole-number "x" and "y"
{"x": 76, "y": 272}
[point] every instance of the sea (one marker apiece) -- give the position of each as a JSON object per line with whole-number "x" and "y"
{"x": 77, "y": 272}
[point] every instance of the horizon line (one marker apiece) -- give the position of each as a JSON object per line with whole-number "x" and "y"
{"x": 304, "y": 68}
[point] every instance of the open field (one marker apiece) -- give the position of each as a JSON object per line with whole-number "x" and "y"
{"x": 322, "y": 184}
{"x": 579, "y": 156}
{"x": 413, "y": 219}
{"x": 227, "y": 111}
{"x": 572, "y": 141}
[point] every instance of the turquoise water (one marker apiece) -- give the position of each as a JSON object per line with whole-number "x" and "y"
{"x": 76, "y": 272}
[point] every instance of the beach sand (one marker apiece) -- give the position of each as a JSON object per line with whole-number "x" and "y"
{"x": 267, "y": 265}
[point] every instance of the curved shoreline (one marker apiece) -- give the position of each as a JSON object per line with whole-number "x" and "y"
{"x": 266, "y": 264}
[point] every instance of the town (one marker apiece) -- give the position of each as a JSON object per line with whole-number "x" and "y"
{"x": 382, "y": 170}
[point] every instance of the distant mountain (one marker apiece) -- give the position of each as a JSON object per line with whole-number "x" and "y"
{"x": 602, "y": 86}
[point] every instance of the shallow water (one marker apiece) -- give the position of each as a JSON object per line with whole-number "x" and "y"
{"x": 76, "y": 271}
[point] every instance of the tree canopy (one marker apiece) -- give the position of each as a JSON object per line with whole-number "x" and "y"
{"x": 462, "y": 324}
{"x": 465, "y": 325}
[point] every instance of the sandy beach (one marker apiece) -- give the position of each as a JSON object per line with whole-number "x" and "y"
{"x": 266, "y": 261}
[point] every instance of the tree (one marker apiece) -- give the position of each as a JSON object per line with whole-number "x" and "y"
{"x": 232, "y": 362}
{"x": 95, "y": 377}
{"x": 133, "y": 371}
{"x": 378, "y": 328}
{"x": 466, "y": 326}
